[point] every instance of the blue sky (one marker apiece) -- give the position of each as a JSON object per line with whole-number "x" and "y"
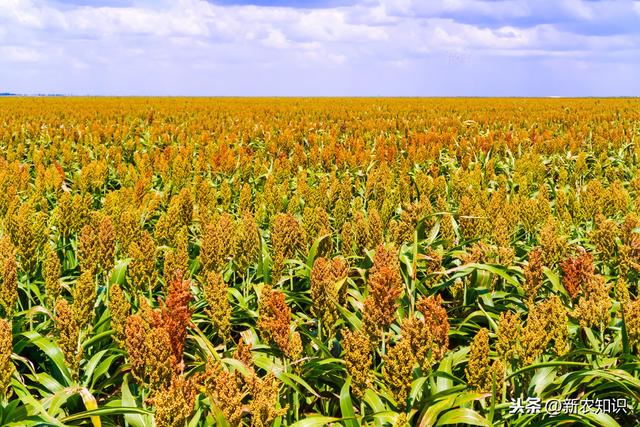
{"x": 321, "y": 47}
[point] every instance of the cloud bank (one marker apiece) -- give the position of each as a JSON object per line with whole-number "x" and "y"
{"x": 331, "y": 47}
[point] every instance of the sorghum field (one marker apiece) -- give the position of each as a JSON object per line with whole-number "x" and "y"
{"x": 311, "y": 262}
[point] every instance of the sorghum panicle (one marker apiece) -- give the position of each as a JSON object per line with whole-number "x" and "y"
{"x": 385, "y": 287}
{"x": 247, "y": 243}
{"x": 594, "y": 304}
{"x": 176, "y": 314}
{"x": 120, "y": 310}
{"x": 509, "y": 327}
{"x": 218, "y": 306}
{"x": 632, "y": 322}
{"x": 51, "y": 274}
{"x": 576, "y": 272}
{"x": 263, "y": 405}
{"x": 160, "y": 364}
{"x": 142, "y": 267}
{"x": 6, "y": 364}
{"x": 480, "y": 371}
{"x": 174, "y": 404}
{"x": 8, "y": 278}
{"x": 218, "y": 243}
{"x": 68, "y": 334}
{"x": 398, "y": 368}
{"x": 274, "y": 319}
{"x": 176, "y": 261}
{"x": 287, "y": 238}
{"x": 84, "y": 298}
{"x": 226, "y": 389}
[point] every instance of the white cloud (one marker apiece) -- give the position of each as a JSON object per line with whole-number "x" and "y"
{"x": 19, "y": 54}
{"x": 157, "y": 43}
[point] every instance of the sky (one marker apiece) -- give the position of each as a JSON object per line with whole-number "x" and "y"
{"x": 321, "y": 47}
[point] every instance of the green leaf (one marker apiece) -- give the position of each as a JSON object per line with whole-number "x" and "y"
{"x": 139, "y": 419}
{"x": 51, "y": 350}
{"x": 315, "y": 421}
{"x": 462, "y": 416}
{"x": 119, "y": 272}
{"x": 122, "y": 410}
{"x": 346, "y": 405}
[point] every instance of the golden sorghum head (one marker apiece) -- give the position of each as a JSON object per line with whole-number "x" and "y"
{"x": 398, "y": 370}
{"x": 478, "y": 371}
{"x": 51, "y": 274}
{"x": 287, "y": 238}
{"x": 340, "y": 213}
{"x": 553, "y": 243}
{"x": 594, "y": 304}
{"x": 217, "y": 244}
{"x": 129, "y": 229}
{"x": 247, "y": 243}
{"x": 473, "y": 220}
{"x": 225, "y": 195}
{"x": 274, "y": 318}
{"x": 621, "y": 291}
{"x": 632, "y": 322}
{"x": 264, "y": 405}
{"x": 425, "y": 351}
{"x": 120, "y": 309}
{"x": 324, "y": 293}
{"x": 245, "y": 203}
{"x": 340, "y": 271}
{"x": 590, "y": 202}
{"x": 386, "y": 257}
{"x": 28, "y": 230}
{"x": 71, "y": 213}
{"x": 243, "y": 353}
{"x": 533, "y": 274}
{"x": 8, "y": 278}
{"x": 508, "y": 335}
{"x": 375, "y": 229}
{"x": 437, "y": 322}
{"x": 159, "y": 361}
{"x": 84, "y": 298}
{"x": 547, "y": 321}
{"x": 558, "y": 324}
{"x": 142, "y": 267}
{"x": 346, "y": 239}
{"x": 68, "y": 335}
{"x": 401, "y": 420}
{"x": 358, "y": 360}
{"x": 295, "y": 346}
{"x": 6, "y": 348}
{"x": 604, "y": 237}
{"x": 576, "y": 272}
{"x": 174, "y": 404}
{"x": 97, "y": 244}
{"x": 315, "y": 222}
{"x": 88, "y": 248}
{"x": 219, "y": 308}
{"x": 136, "y": 329}
{"x": 107, "y": 243}
{"x": 498, "y": 371}
{"x": 178, "y": 215}
{"x": 502, "y": 232}
{"x": 629, "y": 224}
{"x": 385, "y": 287}
{"x": 225, "y": 388}
{"x": 183, "y": 206}
{"x": 176, "y": 262}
